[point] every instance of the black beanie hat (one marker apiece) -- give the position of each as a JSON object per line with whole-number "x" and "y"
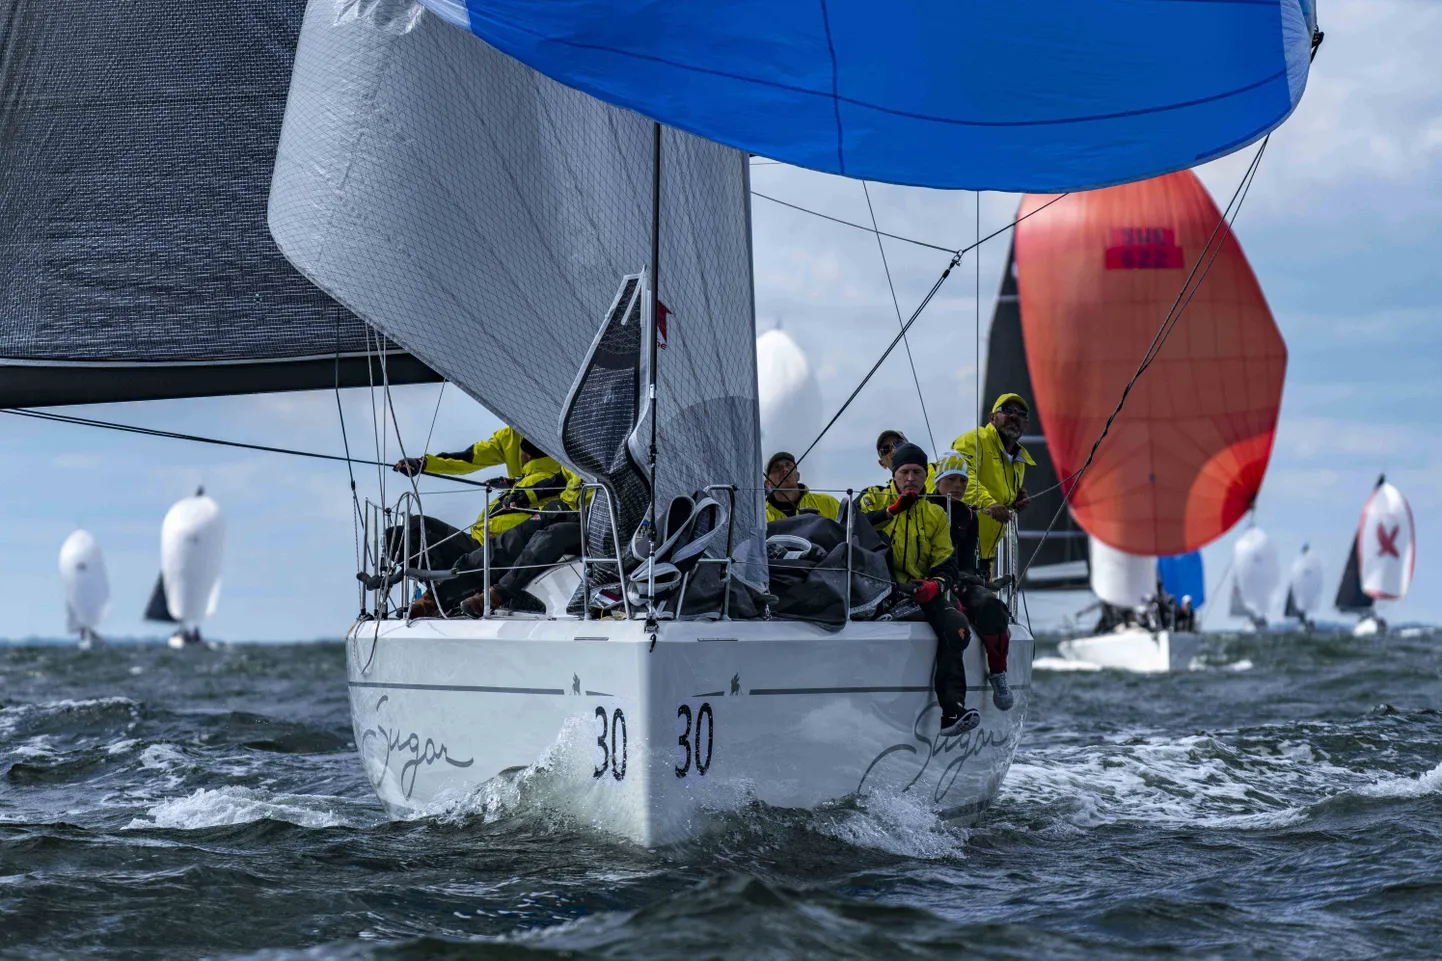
{"x": 908, "y": 453}
{"x": 779, "y": 455}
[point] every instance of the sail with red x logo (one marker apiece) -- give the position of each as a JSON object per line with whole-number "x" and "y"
{"x": 1386, "y": 550}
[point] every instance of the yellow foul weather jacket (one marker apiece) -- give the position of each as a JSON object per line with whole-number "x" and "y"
{"x": 995, "y": 480}
{"x": 879, "y": 496}
{"x": 920, "y": 541}
{"x": 504, "y": 447}
{"x": 823, "y": 504}
{"x": 541, "y": 480}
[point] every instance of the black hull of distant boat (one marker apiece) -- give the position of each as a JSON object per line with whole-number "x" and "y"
{"x": 38, "y": 385}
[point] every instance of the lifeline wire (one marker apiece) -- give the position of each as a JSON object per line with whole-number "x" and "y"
{"x": 955, "y": 259}
{"x": 1169, "y": 323}
{"x": 219, "y": 442}
{"x": 920, "y": 399}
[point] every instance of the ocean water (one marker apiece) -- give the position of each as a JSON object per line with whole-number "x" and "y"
{"x": 1285, "y": 802}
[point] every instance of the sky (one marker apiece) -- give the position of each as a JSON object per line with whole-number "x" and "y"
{"x": 1343, "y": 228}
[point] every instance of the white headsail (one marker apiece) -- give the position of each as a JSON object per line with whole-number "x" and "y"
{"x": 1122, "y": 579}
{"x": 1386, "y": 551}
{"x": 483, "y": 216}
{"x": 87, "y": 586}
{"x": 1255, "y": 568}
{"x": 191, "y": 539}
{"x": 1304, "y": 585}
{"x": 790, "y": 398}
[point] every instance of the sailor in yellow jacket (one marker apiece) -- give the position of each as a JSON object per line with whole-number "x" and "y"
{"x": 924, "y": 568}
{"x": 879, "y": 495}
{"x": 534, "y": 480}
{"x": 786, "y": 496}
{"x": 503, "y": 447}
{"x": 997, "y": 464}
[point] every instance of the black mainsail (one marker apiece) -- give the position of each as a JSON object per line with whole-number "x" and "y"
{"x": 1351, "y": 599}
{"x": 1057, "y": 561}
{"x": 137, "y": 143}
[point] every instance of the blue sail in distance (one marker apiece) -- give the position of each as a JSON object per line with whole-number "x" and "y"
{"x": 1182, "y": 576}
{"x": 1010, "y": 95}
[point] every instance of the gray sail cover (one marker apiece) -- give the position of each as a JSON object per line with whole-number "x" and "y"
{"x": 482, "y": 216}
{"x": 137, "y": 142}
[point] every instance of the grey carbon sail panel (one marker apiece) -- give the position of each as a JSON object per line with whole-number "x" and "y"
{"x": 482, "y": 215}
{"x": 137, "y": 143}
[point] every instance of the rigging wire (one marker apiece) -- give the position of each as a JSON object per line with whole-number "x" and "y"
{"x": 849, "y": 223}
{"x": 920, "y": 399}
{"x": 916, "y": 314}
{"x": 356, "y": 514}
{"x": 1169, "y": 323}
{"x": 216, "y": 441}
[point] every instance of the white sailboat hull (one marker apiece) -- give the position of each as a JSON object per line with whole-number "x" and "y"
{"x": 648, "y": 742}
{"x": 1135, "y": 649}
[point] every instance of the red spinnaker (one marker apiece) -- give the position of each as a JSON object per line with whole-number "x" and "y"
{"x": 1097, "y": 273}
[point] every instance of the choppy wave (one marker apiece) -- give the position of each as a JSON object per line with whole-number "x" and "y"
{"x": 213, "y": 805}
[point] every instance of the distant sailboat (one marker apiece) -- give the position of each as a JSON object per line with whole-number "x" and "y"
{"x": 788, "y": 395}
{"x": 87, "y": 586}
{"x": 1379, "y": 567}
{"x": 1255, "y": 574}
{"x": 186, "y": 593}
{"x": 1304, "y": 588}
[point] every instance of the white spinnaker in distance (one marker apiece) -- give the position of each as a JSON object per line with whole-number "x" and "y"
{"x": 1121, "y": 579}
{"x": 482, "y": 216}
{"x": 191, "y": 541}
{"x": 1255, "y": 567}
{"x": 87, "y": 585}
{"x": 1386, "y": 545}
{"x": 789, "y": 396}
{"x": 1306, "y": 582}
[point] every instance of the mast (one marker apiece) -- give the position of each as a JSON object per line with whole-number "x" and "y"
{"x": 655, "y": 330}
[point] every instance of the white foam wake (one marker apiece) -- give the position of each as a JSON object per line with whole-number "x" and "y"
{"x": 207, "y": 808}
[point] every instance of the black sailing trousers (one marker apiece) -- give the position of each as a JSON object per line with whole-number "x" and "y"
{"x": 953, "y": 633}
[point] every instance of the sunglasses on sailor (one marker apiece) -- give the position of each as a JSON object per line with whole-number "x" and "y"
{"x": 1013, "y": 409}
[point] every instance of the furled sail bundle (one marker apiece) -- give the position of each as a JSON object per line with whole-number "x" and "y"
{"x": 1098, "y": 273}
{"x": 135, "y": 262}
{"x": 1042, "y": 95}
{"x": 482, "y": 216}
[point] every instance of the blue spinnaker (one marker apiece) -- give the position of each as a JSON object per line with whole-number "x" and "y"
{"x": 1182, "y": 576}
{"x": 1012, "y": 95}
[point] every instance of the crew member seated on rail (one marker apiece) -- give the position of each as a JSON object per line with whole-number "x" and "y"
{"x": 786, "y": 496}
{"x": 880, "y": 495}
{"x": 536, "y": 479}
{"x": 987, "y": 614}
{"x": 528, "y": 550}
{"x": 923, "y": 567}
{"x": 996, "y": 463}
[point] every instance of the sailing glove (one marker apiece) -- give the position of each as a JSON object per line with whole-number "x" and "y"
{"x": 926, "y": 591}
{"x": 410, "y": 466}
{"x": 902, "y": 503}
